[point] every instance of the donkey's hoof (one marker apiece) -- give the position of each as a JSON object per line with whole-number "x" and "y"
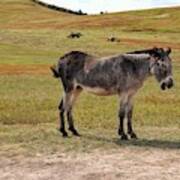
{"x": 133, "y": 136}
{"x": 74, "y": 132}
{"x": 64, "y": 133}
{"x": 124, "y": 137}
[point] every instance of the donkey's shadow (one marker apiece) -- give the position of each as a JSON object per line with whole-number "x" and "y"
{"x": 154, "y": 143}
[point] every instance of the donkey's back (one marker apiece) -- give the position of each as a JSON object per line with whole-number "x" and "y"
{"x": 106, "y": 76}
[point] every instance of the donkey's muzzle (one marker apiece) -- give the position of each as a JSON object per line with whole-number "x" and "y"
{"x": 167, "y": 84}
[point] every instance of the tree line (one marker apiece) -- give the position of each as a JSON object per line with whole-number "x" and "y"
{"x": 53, "y": 7}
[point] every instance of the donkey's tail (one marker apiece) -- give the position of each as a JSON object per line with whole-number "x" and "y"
{"x": 56, "y": 73}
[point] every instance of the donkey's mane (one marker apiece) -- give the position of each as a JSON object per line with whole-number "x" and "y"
{"x": 157, "y": 52}
{"x": 144, "y": 51}
{"x": 133, "y": 57}
{"x": 142, "y": 54}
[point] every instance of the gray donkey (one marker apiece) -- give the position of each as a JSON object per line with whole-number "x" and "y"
{"x": 121, "y": 74}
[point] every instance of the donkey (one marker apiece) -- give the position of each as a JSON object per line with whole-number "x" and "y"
{"x": 120, "y": 75}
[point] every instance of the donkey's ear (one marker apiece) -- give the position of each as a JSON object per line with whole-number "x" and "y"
{"x": 168, "y": 50}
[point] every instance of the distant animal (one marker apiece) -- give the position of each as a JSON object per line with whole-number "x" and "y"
{"x": 74, "y": 35}
{"x": 113, "y": 39}
{"x": 121, "y": 75}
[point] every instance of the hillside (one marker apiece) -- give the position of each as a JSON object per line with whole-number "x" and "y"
{"x": 25, "y": 14}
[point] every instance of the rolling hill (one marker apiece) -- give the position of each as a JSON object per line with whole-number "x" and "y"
{"x": 25, "y": 14}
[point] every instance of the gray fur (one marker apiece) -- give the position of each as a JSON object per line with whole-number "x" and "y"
{"x": 121, "y": 74}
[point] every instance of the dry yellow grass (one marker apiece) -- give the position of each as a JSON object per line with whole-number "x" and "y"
{"x": 32, "y": 38}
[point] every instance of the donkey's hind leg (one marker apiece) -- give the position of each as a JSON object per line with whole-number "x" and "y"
{"x": 71, "y": 97}
{"x": 129, "y": 121}
{"x": 61, "y": 116}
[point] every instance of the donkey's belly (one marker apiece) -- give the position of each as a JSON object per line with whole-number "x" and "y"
{"x": 98, "y": 91}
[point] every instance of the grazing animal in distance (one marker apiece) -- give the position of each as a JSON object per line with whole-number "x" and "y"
{"x": 74, "y": 35}
{"x": 113, "y": 39}
{"x": 121, "y": 75}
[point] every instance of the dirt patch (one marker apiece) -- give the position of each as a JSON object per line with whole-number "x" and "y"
{"x": 126, "y": 163}
{"x": 6, "y": 69}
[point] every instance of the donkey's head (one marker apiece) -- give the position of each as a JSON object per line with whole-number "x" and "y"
{"x": 161, "y": 67}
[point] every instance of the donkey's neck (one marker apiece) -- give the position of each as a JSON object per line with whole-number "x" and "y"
{"x": 144, "y": 70}
{"x": 142, "y": 63}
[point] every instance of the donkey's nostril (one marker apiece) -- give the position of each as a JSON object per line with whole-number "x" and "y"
{"x": 170, "y": 83}
{"x": 163, "y": 86}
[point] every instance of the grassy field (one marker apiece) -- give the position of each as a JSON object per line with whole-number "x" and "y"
{"x": 32, "y": 38}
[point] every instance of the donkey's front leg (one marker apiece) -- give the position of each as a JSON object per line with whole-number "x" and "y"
{"x": 122, "y": 113}
{"x": 129, "y": 120}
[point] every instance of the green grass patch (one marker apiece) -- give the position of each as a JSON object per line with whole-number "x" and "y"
{"x": 45, "y": 139}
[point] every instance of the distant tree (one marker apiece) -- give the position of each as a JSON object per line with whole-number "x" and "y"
{"x": 80, "y": 12}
